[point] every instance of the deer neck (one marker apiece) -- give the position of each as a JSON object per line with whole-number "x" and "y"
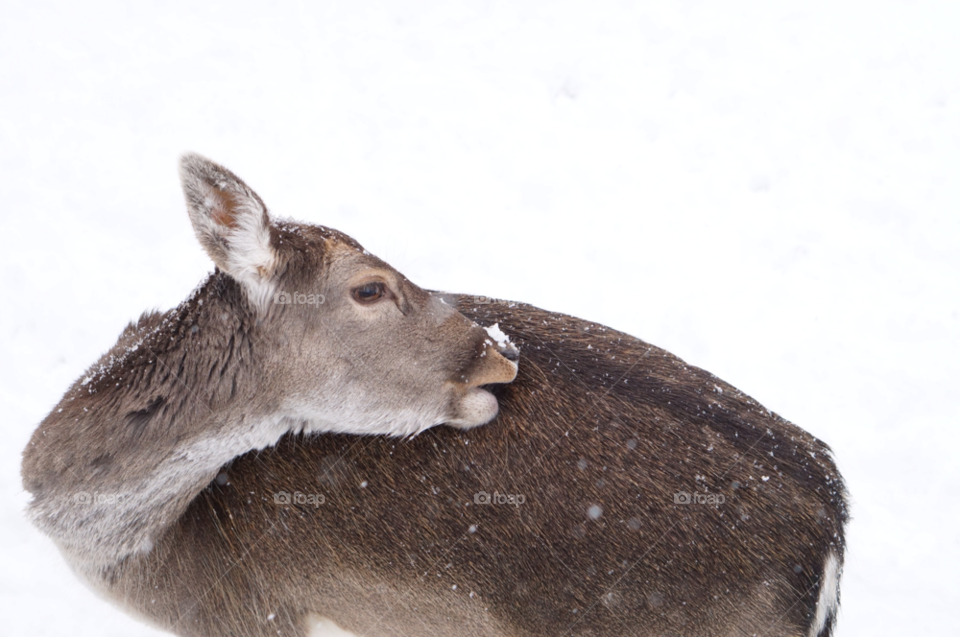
{"x": 148, "y": 427}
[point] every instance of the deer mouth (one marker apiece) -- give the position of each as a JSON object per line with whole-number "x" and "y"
{"x": 474, "y": 403}
{"x": 474, "y": 407}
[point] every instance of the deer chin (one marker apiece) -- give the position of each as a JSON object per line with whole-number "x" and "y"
{"x": 474, "y": 407}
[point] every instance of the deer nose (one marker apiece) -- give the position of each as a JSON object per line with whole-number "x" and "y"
{"x": 509, "y": 352}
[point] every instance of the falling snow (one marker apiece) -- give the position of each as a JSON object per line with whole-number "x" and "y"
{"x": 769, "y": 193}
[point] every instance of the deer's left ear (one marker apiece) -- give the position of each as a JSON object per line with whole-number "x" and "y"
{"x": 231, "y": 224}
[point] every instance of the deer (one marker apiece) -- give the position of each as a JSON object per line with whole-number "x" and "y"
{"x": 310, "y": 444}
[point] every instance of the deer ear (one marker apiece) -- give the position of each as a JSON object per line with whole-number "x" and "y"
{"x": 231, "y": 223}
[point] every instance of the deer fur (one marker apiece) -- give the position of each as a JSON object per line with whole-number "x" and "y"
{"x": 596, "y": 442}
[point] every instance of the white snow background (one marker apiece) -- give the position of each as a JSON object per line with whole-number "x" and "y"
{"x": 770, "y": 190}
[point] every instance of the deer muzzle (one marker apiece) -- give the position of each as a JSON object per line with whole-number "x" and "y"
{"x": 473, "y": 404}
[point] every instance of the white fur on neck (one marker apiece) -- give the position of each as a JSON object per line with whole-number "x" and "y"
{"x": 103, "y": 528}
{"x": 401, "y": 422}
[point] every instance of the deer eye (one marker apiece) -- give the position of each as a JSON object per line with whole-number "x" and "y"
{"x": 369, "y": 292}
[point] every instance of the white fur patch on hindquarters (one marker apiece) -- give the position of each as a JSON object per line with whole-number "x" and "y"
{"x": 829, "y": 594}
{"x": 323, "y": 627}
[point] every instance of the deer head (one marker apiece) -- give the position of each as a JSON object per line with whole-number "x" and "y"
{"x": 299, "y": 329}
{"x": 352, "y": 345}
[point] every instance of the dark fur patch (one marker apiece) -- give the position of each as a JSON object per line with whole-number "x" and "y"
{"x": 138, "y": 420}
